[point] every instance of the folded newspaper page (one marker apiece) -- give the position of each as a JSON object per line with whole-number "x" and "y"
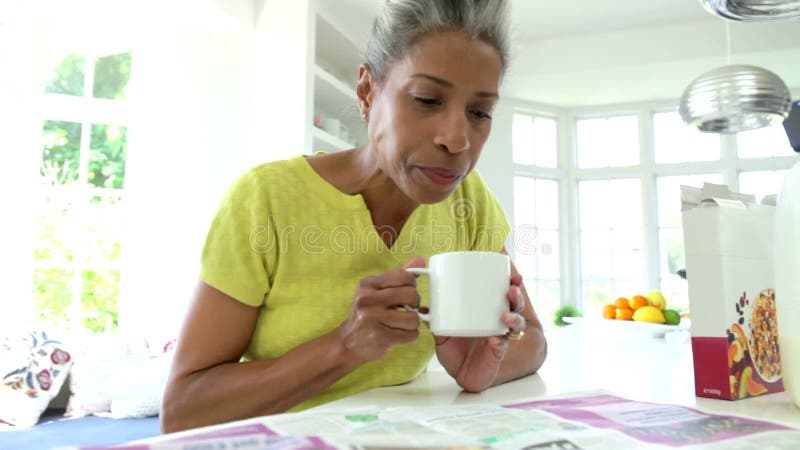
{"x": 588, "y": 421}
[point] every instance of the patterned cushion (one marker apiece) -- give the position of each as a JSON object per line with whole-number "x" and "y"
{"x": 33, "y": 368}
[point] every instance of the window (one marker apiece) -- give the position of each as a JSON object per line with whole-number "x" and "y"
{"x": 81, "y": 210}
{"x": 608, "y": 142}
{"x": 674, "y": 142}
{"x": 536, "y": 241}
{"x": 670, "y": 235}
{"x": 536, "y": 237}
{"x": 763, "y": 143}
{"x": 761, "y": 182}
{"x": 534, "y": 141}
{"x": 611, "y": 241}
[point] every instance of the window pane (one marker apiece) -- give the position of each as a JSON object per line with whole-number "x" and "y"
{"x": 595, "y": 294}
{"x": 524, "y": 205}
{"x": 624, "y": 203}
{"x": 608, "y": 142}
{"x": 546, "y": 299}
{"x": 669, "y": 195}
{"x": 111, "y": 76}
{"x": 595, "y": 254}
{"x": 107, "y": 156}
{"x": 677, "y": 142}
{"x": 548, "y": 261}
{"x": 593, "y": 196}
{"x": 547, "y": 203}
{"x": 52, "y": 294}
{"x": 671, "y": 250}
{"x": 55, "y": 233}
{"x": 99, "y": 299}
{"x": 525, "y": 260}
{"x": 606, "y": 204}
{"x": 676, "y": 291}
{"x": 522, "y": 139}
{"x": 546, "y": 143}
{"x": 103, "y": 229}
{"x": 611, "y": 239}
{"x": 763, "y": 142}
{"x": 534, "y": 140}
{"x": 761, "y": 183}
{"x": 627, "y": 254}
{"x": 67, "y": 76}
{"x": 61, "y": 149}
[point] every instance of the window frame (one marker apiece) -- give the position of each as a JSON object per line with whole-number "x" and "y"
{"x": 86, "y": 110}
{"x": 569, "y": 175}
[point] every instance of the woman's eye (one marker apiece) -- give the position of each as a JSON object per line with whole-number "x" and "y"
{"x": 481, "y": 114}
{"x": 427, "y": 100}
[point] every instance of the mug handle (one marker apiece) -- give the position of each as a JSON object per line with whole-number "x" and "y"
{"x": 418, "y": 271}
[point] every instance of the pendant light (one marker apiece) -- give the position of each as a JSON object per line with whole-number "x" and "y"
{"x": 735, "y": 98}
{"x": 754, "y": 10}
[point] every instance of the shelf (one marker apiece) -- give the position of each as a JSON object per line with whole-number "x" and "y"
{"x": 335, "y": 51}
{"x": 324, "y": 141}
{"x": 332, "y": 95}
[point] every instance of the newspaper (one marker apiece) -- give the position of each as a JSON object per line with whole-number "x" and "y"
{"x": 588, "y": 421}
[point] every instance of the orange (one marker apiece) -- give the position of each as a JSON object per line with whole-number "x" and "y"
{"x": 637, "y": 301}
{"x": 609, "y": 311}
{"x": 622, "y": 302}
{"x": 624, "y": 314}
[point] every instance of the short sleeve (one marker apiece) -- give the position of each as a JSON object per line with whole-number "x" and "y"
{"x": 232, "y": 260}
{"x": 491, "y": 225}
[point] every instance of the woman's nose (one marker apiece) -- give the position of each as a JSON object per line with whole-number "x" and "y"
{"x": 453, "y": 133}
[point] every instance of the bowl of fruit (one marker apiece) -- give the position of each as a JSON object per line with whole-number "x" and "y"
{"x": 646, "y": 313}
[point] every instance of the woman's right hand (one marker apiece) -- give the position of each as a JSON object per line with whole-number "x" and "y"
{"x": 378, "y": 317}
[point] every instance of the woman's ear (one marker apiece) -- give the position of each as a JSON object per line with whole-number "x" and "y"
{"x": 365, "y": 89}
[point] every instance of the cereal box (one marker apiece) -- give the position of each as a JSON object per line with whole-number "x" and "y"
{"x": 728, "y": 246}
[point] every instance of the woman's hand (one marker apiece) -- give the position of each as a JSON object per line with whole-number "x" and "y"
{"x": 479, "y": 363}
{"x": 378, "y": 317}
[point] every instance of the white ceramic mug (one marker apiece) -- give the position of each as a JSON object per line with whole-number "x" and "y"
{"x": 468, "y": 293}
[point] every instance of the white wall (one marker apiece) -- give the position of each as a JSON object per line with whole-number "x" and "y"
{"x": 187, "y": 142}
{"x": 19, "y": 133}
{"x": 280, "y": 108}
{"x": 495, "y": 164}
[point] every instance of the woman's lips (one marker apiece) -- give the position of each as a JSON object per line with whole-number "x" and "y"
{"x": 441, "y": 175}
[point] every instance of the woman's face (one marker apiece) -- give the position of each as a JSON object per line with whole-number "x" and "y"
{"x": 431, "y": 115}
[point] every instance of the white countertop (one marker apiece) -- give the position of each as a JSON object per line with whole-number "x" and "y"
{"x": 581, "y": 358}
{"x": 632, "y": 365}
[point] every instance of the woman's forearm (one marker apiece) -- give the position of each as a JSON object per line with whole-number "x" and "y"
{"x": 523, "y": 357}
{"x": 232, "y": 391}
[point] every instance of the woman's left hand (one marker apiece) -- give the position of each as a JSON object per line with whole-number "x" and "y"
{"x": 478, "y": 363}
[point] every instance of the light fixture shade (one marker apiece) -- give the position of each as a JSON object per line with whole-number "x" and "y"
{"x": 735, "y": 98}
{"x": 754, "y": 10}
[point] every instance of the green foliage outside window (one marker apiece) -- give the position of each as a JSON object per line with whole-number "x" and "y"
{"x": 99, "y": 299}
{"x": 79, "y": 229}
{"x": 52, "y": 294}
{"x": 107, "y": 156}
{"x": 68, "y": 77}
{"x": 61, "y": 150}
{"x": 111, "y": 76}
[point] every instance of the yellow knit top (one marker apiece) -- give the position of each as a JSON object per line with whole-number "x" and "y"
{"x": 290, "y": 243}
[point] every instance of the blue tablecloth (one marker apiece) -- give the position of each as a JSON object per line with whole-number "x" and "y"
{"x": 55, "y": 431}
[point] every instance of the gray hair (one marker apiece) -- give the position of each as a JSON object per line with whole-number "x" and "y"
{"x": 402, "y": 23}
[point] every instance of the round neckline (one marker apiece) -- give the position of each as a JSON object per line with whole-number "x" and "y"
{"x": 321, "y": 186}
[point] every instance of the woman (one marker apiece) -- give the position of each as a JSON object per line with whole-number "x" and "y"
{"x": 303, "y": 298}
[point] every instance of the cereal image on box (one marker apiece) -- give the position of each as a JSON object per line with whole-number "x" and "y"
{"x": 764, "y": 337}
{"x": 757, "y": 349}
